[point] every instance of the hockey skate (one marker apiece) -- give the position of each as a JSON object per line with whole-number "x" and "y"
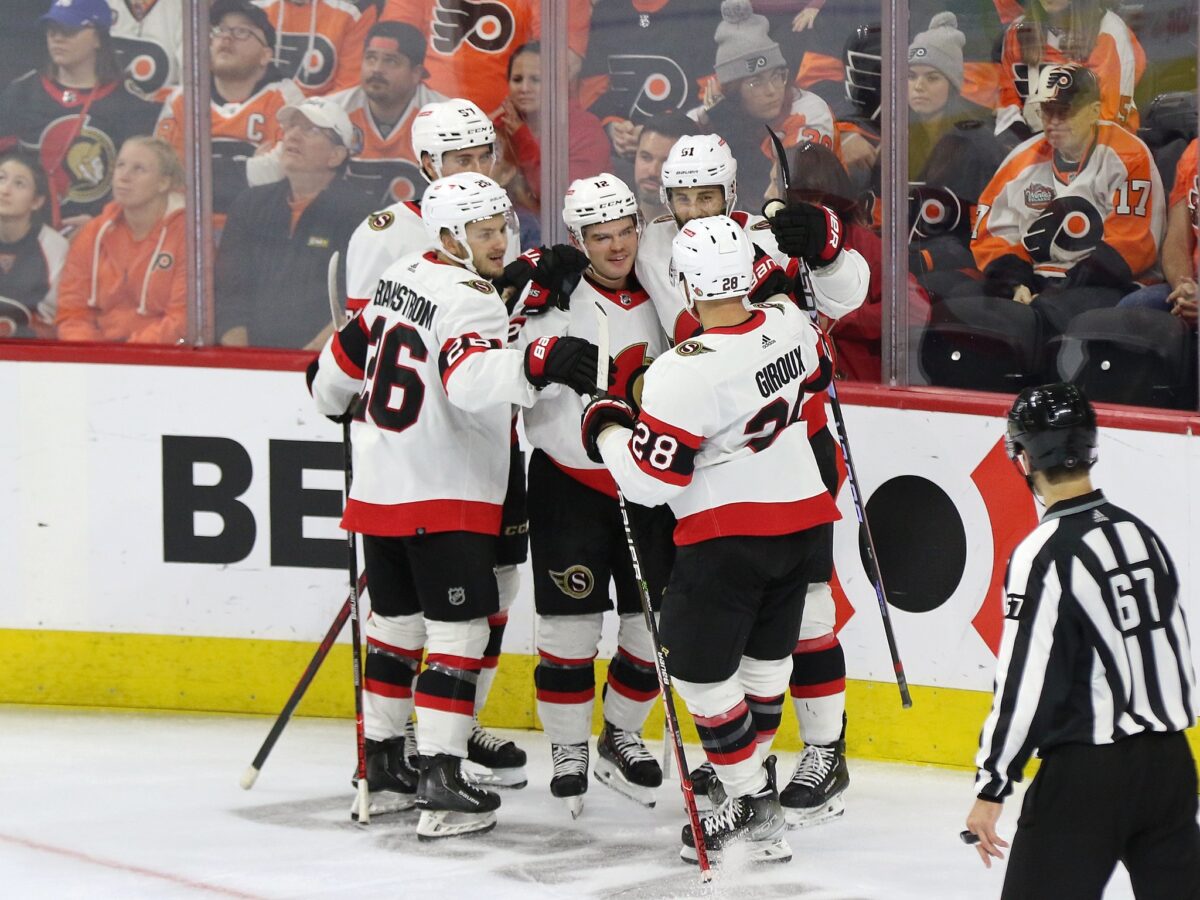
{"x": 391, "y": 781}
{"x": 814, "y": 794}
{"x": 570, "y": 782}
{"x": 707, "y": 787}
{"x": 494, "y": 761}
{"x": 752, "y": 825}
{"x": 450, "y": 803}
{"x": 626, "y": 766}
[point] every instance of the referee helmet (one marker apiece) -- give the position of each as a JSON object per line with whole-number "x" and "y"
{"x": 1056, "y": 427}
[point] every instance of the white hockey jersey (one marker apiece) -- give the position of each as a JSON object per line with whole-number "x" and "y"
{"x": 635, "y": 340}
{"x": 714, "y": 437}
{"x": 148, "y": 38}
{"x": 436, "y": 383}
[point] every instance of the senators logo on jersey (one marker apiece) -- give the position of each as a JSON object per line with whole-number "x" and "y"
{"x": 576, "y": 582}
{"x": 486, "y": 25}
{"x": 87, "y": 158}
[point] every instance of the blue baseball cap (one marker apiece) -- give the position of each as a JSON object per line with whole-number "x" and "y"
{"x": 80, "y": 14}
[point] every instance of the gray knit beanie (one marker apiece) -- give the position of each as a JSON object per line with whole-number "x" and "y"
{"x": 744, "y": 46}
{"x": 941, "y": 47}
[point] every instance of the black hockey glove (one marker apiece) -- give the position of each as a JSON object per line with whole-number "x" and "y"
{"x": 1069, "y": 229}
{"x": 769, "y": 278}
{"x": 554, "y": 272}
{"x": 811, "y": 233}
{"x": 603, "y": 411}
{"x": 1007, "y": 273}
{"x": 563, "y": 360}
{"x": 1103, "y": 267}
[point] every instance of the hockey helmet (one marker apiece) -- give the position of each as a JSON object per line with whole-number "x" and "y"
{"x": 862, "y": 59}
{"x": 712, "y": 259}
{"x": 600, "y": 198}
{"x": 700, "y": 160}
{"x": 450, "y": 125}
{"x": 1067, "y": 86}
{"x": 1056, "y": 427}
{"x": 456, "y": 201}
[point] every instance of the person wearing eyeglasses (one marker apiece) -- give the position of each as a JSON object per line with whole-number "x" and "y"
{"x": 247, "y": 93}
{"x": 750, "y": 90}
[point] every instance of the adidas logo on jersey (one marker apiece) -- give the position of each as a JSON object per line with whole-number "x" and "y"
{"x": 766, "y": 342}
{"x": 1098, "y": 517}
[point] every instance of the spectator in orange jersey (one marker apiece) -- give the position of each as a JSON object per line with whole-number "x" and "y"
{"x": 1064, "y": 31}
{"x": 319, "y": 42}
{"x": 390, "y": 93}
{"x": 125, "y": 278}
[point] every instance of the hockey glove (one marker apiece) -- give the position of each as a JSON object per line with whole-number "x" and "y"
{"x": 1103, "y": 267}
{"x": 1007, "y": 273}
{"x": 603, "y": 411}
{"x": 310, "y": 375}
{"x": 808, "y": 232}
{"x": 562, "y": 360}
{"x": 554, "y": 272}
{"x": 1068, "y": 230}
{"x": 769, "y": 278}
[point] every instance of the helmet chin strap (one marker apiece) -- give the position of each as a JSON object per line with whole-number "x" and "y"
{"x": 1021, "y": 466}
{"x": 469, "y": 259}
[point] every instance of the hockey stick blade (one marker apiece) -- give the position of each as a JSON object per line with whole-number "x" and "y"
{"x": 331, "y": 286}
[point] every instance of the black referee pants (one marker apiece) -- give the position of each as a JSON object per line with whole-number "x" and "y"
{"x": 1091, "y": 806}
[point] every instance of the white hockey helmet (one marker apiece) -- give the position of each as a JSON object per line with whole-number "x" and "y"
{"x": 456, "y": 201}
{"x": 713, "y": 260}
{"x": 699, "y": 160}
{"x": 600, "y": 198}
{"x": 450, "y": 125}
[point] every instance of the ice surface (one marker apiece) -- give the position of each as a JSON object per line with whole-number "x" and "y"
{"x": 128, "y": 805}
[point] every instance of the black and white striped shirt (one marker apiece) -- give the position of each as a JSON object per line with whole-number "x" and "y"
{"x": 1095, "y": 644}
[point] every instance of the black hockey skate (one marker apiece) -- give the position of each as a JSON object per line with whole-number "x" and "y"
{"x": 814, "y": 794}
{"x": 752, "y": 825}
{"x": 569, "y": 781}
{"x": 450, "y": 803}
{"x": 495, "y": 761}
{"x": 391, "y": 781}
{"x": 626, "y": 766}
{"x": 707, "y": 787}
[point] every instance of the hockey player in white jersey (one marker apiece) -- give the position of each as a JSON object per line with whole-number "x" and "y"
{"x": 576, "y": 536}
{"x": 716, "y": 438}
{"x": 427, "y": 366}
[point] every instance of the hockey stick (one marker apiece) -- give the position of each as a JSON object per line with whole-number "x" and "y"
{"x": 843, "y": 439}
{"x": 361, "y": 812}
{"x": 285, "y": 715}
{"x": 660, "y": 660}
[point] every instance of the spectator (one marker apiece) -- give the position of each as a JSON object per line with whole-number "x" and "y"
{"x": 1179, "y": 250}
{"x": 471, "y": 42}
{"x": 751, "y": 91}
{"x": 271, "y": 267}
{"x": 1074, "y": 216}
{"x": 125, "y": 278}
{"x": 319, "y": 43}
{"x": 518, "y": 125}
{"x": 247, "y": 92}
{"x": 655, "y": 140}
{"x": 148, "y": 38}
{"x": 76, "y": 111}
{"x": 31, "y": 252}
{"x": 382, "y": 108}
{"x": 1064, "y": 31}
{"x": 820, "y": 179}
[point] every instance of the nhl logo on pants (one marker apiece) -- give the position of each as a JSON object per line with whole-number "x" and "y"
{"x": 456, "y": 596}
{"x": 576, "y": 582}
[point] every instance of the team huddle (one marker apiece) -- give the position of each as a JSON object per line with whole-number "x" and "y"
{"x": 708, "y": 316}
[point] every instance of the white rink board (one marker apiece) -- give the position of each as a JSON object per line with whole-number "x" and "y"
{"x": 81, "y": 522}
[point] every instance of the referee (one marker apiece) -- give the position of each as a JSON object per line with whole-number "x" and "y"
{"x": 1095, "y": 673}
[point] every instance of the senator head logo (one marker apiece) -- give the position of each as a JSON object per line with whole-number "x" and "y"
{"x": 576, "y": 582}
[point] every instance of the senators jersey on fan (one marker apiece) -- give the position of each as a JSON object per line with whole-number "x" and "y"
{"x": 148, "y": 37}
{"x": 1117, "y": 59}
{"x": 318, "y": 42}
{"x": 1116, "y": 176}
{"x": 635, "y": 339}
{"x": 435, "y": 387}
{"x": 714, "y": 437}
{"x": 238, "y": 130}
{"x": 76, "y": 133}
{"x": 383, "y": 164}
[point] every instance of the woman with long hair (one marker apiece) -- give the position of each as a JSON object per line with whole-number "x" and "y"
{"x": 31, "y": 252}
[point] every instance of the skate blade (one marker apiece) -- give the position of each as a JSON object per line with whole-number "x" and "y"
{"x": 610, "y": 776}
{"x": 574, "y": 805}
{"x": 776, "y": 851}
{"x": 383, "y": 803}
{"x": 435, "y": 824}
{"x": 513, "y": 779}
{"x": 807, "y": 818}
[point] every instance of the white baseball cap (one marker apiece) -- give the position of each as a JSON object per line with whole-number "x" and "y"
{"x": 323, "y": 113}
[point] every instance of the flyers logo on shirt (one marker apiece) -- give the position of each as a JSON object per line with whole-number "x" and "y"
{"x": 146, "y": 63}
{"x": 164, "y": 261}
{"x": 654, "y": 84}
{"x": 313, "y": 67}
{"x": 486, "y": 25}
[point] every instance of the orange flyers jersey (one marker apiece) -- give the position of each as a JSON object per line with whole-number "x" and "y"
{"x": 384, "y": 164}
{"x": 1187, "y": 190}
{"x": 1117, "y": 59}
{"x": 318, "y": 42}
{"x": 470, "y": 41}
{"x": 1117, "y": 176}
{"x": 808, "y": 121}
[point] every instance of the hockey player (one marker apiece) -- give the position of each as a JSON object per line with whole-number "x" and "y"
{"x": 714, "y": 439}
{"x": 450, "y": 138}
{"x": 435, "y": 384}
{"x": 577, "y": 538}
{"x": 699, "y": 179}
